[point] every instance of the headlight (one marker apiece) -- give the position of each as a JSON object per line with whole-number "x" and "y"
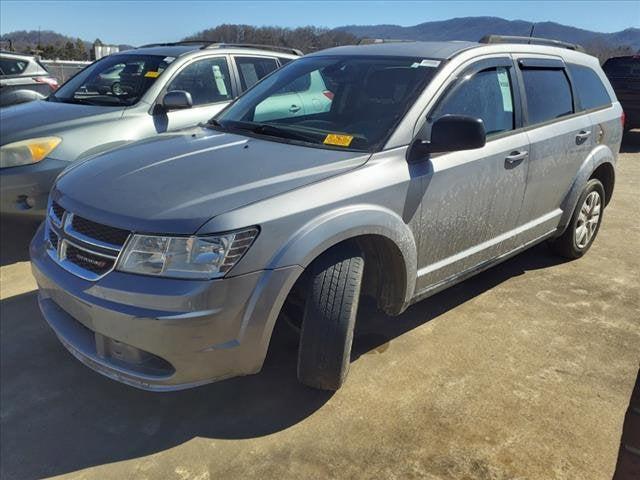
{"x": 194, "y": 257}
{"x": 27, "y": 152}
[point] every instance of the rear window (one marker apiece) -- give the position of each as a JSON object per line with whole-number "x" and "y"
{"x": 622, "y": 67}
{"x": 12, "y": 66}
{"x": 591, "y": 92}
{"x": 548, "y": 94}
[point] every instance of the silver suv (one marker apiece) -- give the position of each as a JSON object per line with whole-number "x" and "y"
{"x": 166, "y": 264}
{"x": 118, "y": 99}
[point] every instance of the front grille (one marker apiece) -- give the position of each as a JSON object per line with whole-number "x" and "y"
{"x": 58, "y": 211}
{"x": 53, "y": 239}
{"x": 87, "y": 260}
{"x": 97, "y": 231}
{"x": 81, "y": 246}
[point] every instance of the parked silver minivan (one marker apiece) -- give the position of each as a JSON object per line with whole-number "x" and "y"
{"x": 118, "y": 99}
{"x": 166, "y": 264}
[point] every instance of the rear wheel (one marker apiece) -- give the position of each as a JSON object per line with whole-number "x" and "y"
{"x": 329, "y": 317}
{"x": 585, "y": 222}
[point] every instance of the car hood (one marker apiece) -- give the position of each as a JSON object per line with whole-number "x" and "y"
{"x": 40, "y": 118}
{"x": 174, "y": 183}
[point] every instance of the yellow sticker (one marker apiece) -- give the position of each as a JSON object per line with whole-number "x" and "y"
{"x": 151, "y": 74}
{"x": 340, "y": 140}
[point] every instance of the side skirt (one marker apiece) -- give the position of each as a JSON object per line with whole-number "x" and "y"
{"x": 464, "y": 275}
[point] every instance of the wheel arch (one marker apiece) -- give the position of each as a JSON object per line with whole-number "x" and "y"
{"x": 385, "y": 240}
{"x": 599, "y": 164}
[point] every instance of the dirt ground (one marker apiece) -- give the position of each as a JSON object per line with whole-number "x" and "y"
{"x": 523, "y": 372}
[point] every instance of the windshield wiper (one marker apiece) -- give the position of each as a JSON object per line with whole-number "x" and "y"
{"x": 277, "y": 131}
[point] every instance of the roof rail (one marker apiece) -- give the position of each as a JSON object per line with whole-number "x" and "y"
{"x": 292, "y": 51}
{"x": 177, "y": 44}
{"x": 214, "y": 44}
{"x": 531, "y": 41}
{"x": 369, "y": 41}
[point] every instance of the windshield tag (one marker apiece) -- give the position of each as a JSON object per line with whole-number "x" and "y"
{"x": 151, "y": 74}
{"x": 168, "y": 59}
{"x": 426, "y": 63}
{"x": 339, "y": 140}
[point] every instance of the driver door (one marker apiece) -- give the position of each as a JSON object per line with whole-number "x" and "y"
{"x": 473, "y": 198}
{"x": 208, "y": 81}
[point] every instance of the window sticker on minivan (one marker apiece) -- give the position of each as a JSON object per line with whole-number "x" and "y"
{"x": 505, "y": 89}
{"x": 339, "y": 140}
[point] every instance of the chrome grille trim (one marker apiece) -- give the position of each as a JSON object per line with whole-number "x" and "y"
{"x": 71, "y": 232}
{"x": 68, "y": 236}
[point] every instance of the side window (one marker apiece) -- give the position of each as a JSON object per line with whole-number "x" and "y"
{"x": 284, "y": 61}
{"x": 548, "y": 94}
{"x": 589, "y": 87}
{"x": 254, "y": 69}
{"x": 207, "y": 81}
{"x": 486, "y": 95}
{"x": 10, "y": 66}
{"x": 300, "y": 84}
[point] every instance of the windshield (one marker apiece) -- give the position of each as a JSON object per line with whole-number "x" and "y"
{"x": 116, "y": 80}
{"x": 333, "y": 101}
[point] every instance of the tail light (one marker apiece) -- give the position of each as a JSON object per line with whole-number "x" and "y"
{"x": 329, "y": 94}
{"x": 623, "y": 118}
{"x": 52, "y": 82}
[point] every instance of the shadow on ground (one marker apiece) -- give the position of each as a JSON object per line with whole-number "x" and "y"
{"x": 59, "y": 417}
{"x": 15, "y": 237}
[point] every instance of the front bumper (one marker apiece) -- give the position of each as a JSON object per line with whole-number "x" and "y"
{"x": 162, "y": 334}
{"x": 24, "y": 190}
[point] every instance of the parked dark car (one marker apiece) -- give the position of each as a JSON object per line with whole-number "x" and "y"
{"x": 624, "y": 75}
{"x": 23, "y": 79}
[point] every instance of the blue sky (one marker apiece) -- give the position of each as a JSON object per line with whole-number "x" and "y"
{"x": 152, "y": 21}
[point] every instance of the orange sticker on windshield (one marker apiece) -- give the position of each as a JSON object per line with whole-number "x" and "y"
{"x": 152, "y": 74}
{"x": 340, "y": 140}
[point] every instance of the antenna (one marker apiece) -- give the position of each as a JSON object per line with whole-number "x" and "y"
{"x": 533, "y": 26}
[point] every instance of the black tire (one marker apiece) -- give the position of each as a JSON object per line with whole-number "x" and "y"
{"x": 567, "y": 244}
{"x": 329, "y": 318}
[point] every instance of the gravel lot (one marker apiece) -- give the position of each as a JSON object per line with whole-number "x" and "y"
{"x": 525, "y": 371}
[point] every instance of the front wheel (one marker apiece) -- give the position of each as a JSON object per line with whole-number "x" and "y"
{"x": 585, "y": 222}
{"x": 329, "y": 317}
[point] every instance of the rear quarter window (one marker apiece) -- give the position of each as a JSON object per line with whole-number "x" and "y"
{"x": 548, "y": 94}
{"x": 589, "y": 88}
{"x": 10, "y": 66}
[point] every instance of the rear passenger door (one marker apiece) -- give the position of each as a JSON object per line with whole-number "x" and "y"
{"x": 560, "y": 138}
{"x": 472, "y": 198}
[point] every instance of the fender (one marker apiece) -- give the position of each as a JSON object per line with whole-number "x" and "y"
{"x": 333, "y": 227}
{"x": 20, "y": 96}
{"x": 600, "y": 155}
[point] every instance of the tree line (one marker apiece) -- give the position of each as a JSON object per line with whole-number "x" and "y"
{"x": 51, "y": 45}
{"x": 308, "y": 39}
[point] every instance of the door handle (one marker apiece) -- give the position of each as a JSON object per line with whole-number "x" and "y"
{"x": 582, "y": 136}
{"x": 294, "y": 108}
{"x": 515, "y": 158}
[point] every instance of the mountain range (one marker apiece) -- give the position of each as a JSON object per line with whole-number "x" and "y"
{"x": 474, "y": 28}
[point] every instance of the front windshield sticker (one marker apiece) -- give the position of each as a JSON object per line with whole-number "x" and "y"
{"x": 168, "y": 59}
{"x": 339, "y": 140}
{"x": 152, "y": 74}
{"x": 426, "y": 63}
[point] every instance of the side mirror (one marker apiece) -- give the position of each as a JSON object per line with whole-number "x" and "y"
{"x": 450, "y": 133}
{"x": 177, "y": 100}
